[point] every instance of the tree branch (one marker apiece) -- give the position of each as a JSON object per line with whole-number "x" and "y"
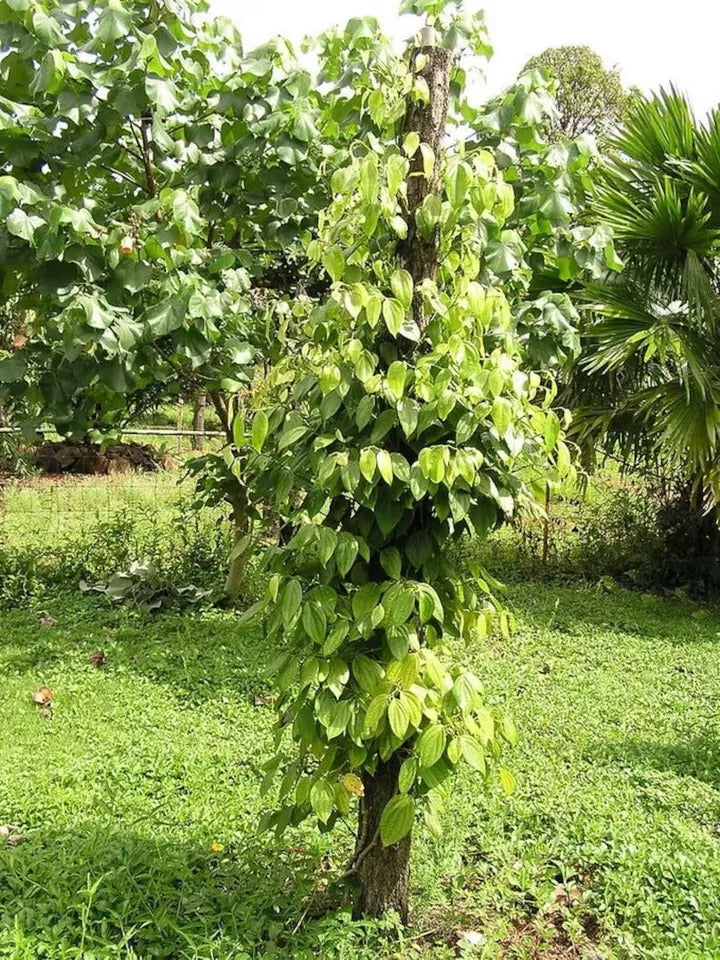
{"x": 355, "y": 864}
{"x": 120, "y": 173}
{"x": 145, "y": 122}
{"x": 221, "y": 409}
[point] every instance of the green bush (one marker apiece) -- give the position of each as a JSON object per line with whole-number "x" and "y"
{"x": 624, "y": 530}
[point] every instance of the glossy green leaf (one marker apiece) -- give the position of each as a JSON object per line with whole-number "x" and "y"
{"x": 502, "y": 414}
{"x": 384, "y": 465}
{"x": 375, "y": 714}
{"x": 431, "y": 744}
{"x": 290, "y": 600}
{"x": 464, "y": 693}
{"x": 260, "y": 428}
{"x": 394, "y": 315}
{"x": 397, "y": 819}
{"x": 314, "y": 622}
{"x": 334, "y": 263}
{"x": 367, "y": 672}
{"x": 401, "y": 284}
{"x": 114, "y": 23}
{"x": 407, "y": 775}
{"x": 391, "y": 562}
{"x": 473, "y": 753}
{"x": 432, "y": 463}
{"x": 399, "y": 603}
{"x": 398, "y": 716}
{"x": 346, "y": 553}
{"x": 23, "y": 225}
{"x": 396, "y": 377}
{"x": 408, "y": 412}
{"x": 322, "y": 800}
{"x": 368, "y": 462}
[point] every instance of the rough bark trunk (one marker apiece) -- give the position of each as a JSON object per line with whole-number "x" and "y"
{"x": 383, "y": 872}
{"x": 419, "y": 254}
{"x": 198, "y": 423}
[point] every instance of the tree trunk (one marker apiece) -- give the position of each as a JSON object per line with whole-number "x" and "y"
{"x": 242, "y": 527}
{"x": 383, "y": 872}
{"x": 420, "y": 254}
{"x": 198, "y": 423}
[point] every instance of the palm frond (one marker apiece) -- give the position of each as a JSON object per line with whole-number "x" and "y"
{"x": 663, "y": 339}
{"x": 705, "y": 170}
{"x": 648, "y": 384}
{"x": 657, "y": 128}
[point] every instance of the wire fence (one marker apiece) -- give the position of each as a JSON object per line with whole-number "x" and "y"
{"x": 46, "y": 508}
{"x": 135, "y": 432}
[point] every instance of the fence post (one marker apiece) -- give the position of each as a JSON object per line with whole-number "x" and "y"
{"x": 198, "y": 423}
{"x": 546, "y": 528}
{"x": 180, "y": 423}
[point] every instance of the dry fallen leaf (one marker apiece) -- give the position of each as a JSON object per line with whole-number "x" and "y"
{"x": 472, "y": 937}
{"x": 98, "y": 659}
{"x": 19, "y": 340}
{"x": 43, "y": 696}
{"x": 260, "y": 700}
{"x": 45, "y": 620}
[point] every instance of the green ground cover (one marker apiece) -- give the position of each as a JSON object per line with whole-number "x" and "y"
{"x": 136, "y": 798}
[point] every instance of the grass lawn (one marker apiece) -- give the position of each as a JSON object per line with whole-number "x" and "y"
{"x": 136, "y": 800}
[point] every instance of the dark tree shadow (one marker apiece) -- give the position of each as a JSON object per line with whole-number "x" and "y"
{"x": 569, "y": 608}
{"x": 120, "y": 893}
{"x": 698, "y": 758}
{"x": 198, "y": 654}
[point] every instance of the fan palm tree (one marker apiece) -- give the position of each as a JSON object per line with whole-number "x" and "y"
{"x": 649, "y": 380}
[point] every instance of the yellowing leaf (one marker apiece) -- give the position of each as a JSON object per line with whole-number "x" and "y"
{"x": 507, "y": 781}
{"x": 353, "y": 784}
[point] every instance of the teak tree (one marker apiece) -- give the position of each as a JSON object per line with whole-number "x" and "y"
{"x": 408, "y": 416}
{"x": 155, "y": 181}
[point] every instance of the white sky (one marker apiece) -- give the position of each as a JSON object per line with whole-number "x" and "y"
{"x": 653, "y": 42}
